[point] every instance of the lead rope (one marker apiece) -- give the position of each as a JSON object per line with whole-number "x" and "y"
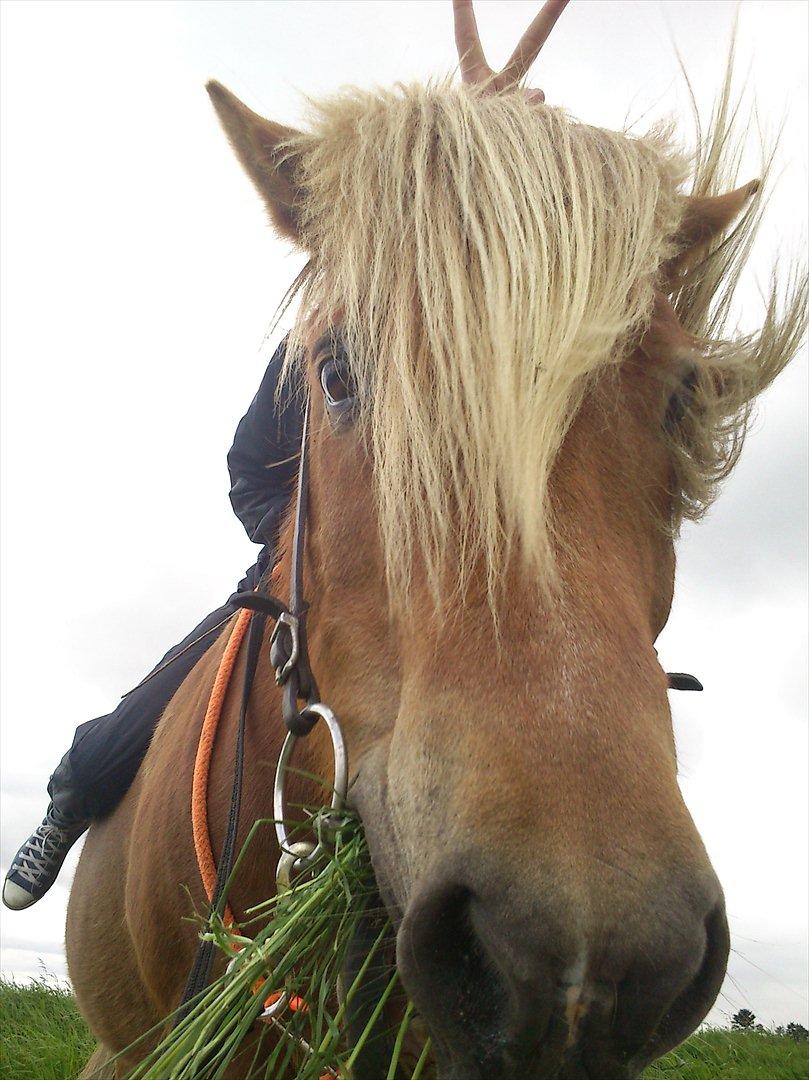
{"x": 214, "y": 879}
{"x": 202, "y": 762}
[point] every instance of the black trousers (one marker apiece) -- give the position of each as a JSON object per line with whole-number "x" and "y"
{"x": 95, "y": 773}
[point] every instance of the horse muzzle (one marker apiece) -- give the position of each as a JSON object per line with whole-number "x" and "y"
{"x": 510, "y": 998}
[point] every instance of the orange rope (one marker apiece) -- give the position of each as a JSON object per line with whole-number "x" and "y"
{"x": 199, "y": 788}
{"x": 202, "y": 762}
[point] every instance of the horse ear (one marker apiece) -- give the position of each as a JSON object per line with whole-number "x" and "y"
{"x": 263, "y": 148}
{"x": 705, "y": 219}
{"x": 665, "y": 341}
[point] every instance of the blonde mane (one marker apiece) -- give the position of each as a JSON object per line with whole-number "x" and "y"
{"x": 730, "y": 368}
{"x": 486, "y": 257}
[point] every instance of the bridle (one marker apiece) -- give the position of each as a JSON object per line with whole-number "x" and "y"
{"x": 289, "y": 656}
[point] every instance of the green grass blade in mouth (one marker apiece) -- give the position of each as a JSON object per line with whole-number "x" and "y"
{"x": 400, "y": 1037}
{"x": 298, "y": 944}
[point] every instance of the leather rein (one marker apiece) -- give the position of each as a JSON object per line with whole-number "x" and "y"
{"x": 289, "y": 651}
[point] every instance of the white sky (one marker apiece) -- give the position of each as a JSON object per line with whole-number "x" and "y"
{"x": 138, "y": 278}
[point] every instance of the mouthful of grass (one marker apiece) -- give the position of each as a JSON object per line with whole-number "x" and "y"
{"x": 310, "y": 990}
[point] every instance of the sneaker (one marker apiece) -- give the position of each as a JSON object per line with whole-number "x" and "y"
{"x": 38, "y": 862}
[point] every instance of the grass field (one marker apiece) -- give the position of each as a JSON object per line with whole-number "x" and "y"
{"x": 734, "y": 1055}
{"x": 42, "y": 1037}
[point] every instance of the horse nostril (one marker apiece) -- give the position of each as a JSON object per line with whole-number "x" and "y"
{"x": 666, "y": 992}
{"x": 692, "y": 1005}
{"x": 448, "y": 973}
{"x": 483, "y": 988}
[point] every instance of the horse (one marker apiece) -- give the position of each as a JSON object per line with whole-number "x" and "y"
{"x": 512, "y": 339}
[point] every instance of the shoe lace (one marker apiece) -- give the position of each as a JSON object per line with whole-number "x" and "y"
{"x": 37, "y": 857}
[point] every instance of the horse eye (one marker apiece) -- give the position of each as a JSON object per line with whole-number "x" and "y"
{"x": 336, "y": 384}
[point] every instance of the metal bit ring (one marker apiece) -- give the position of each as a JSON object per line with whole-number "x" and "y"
{"x": 315, "y": 711}
{"x": 292, "y": 861}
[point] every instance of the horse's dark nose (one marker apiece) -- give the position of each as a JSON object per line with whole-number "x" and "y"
{"x": 550, "y": 994}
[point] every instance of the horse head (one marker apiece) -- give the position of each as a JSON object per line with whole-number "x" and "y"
{"x": 516, "y": 395}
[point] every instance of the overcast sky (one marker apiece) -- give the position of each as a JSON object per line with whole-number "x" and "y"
{"x": 138, "y": 280}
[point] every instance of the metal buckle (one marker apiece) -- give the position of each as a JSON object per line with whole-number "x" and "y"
{"x": 283, "y": 670}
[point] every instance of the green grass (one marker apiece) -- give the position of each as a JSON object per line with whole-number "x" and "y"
{"x": 42, "y": 1037}
{"x": 734, "y": 1055}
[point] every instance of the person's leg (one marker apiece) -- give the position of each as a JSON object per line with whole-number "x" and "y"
{"x": 98, "y": 769}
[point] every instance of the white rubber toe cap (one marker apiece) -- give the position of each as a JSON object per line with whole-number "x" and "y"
{"x": 15, "y": 897}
